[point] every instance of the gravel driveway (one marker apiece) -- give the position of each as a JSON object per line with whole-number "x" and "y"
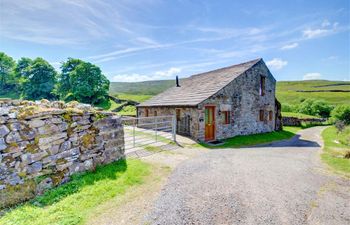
{"x": 282, "y": 183}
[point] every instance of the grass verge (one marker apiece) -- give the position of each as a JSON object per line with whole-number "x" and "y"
{"x": 334, "y": 151}
{"x": 74, "y": 201}
{"x": 298, "y": 115}
{"x": 255, "y": 139}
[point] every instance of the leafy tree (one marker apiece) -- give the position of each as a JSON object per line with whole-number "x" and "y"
{"x": 7, "y": 64}
{"x": 315, "y": 108}
{"x": 341, "y": 113}
{"x": 88, "y": 84}
{"x": 21, "y": 71}
{"x": 41, "y": 80}
{"x": 64, "y": 86}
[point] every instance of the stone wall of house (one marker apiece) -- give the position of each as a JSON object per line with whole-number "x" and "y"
{"x": 43, "y": 143}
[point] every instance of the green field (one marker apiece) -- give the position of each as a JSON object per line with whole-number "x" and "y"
{"x": 287, "y": 91}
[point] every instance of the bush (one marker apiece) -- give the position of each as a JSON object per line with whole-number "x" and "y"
{"x": 289, "y": 108}
{"x": 341, "y": 113}
{"x": 315, "y": 108}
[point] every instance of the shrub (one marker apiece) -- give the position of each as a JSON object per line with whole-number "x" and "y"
{"x": 341, "y": 113}
{"x": 340, "y": 125}
{"x": 289, "y": 108}
{"x": 315, "y": 108}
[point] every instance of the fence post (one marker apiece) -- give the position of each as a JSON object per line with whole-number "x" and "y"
{"x": 133, "y": 132}
{"x": 174, "y": 128}
{"x": 155, "y": 121}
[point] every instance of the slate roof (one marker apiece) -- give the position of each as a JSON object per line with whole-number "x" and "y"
{"x": 199, "y": 87}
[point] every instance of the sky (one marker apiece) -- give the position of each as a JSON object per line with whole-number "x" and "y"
{"x": 154, "y": 40}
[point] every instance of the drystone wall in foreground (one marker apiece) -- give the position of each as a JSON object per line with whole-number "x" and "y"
{"x": 43, "y": 143}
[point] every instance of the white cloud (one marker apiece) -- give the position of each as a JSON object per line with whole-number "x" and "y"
{"x": 312, "y": 76}
{"x": 276, "y": 63}
{"x": 289, "y": 46}
{"x": 326, "y": 29}
{"x": 309, "y": 33}
{"x": 325, "y": 23}
{"x": 168, "y": 73}
{"x": 158, "y": 75}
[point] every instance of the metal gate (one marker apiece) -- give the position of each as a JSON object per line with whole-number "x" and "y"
{"x": 183, "y": 125}
{"x": 142, "y": 131}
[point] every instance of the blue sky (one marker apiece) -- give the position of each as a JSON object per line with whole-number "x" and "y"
{"x": 154, "y": 39}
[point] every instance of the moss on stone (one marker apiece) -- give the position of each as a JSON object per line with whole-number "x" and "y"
{"x": 61, "y": 161}
{"x": 27, "y": 111}
{"x": 88, "y": 139}
{"x": 58, "y": 177}
{"x": 32, "y": 148}
{"x": 17, "y": 194}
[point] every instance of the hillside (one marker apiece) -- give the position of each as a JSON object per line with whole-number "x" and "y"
{"x": 291, "y": 92}
{"x": 140, "y": 88}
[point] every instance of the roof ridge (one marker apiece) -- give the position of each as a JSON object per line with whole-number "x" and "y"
{"x": 227, "y": 67}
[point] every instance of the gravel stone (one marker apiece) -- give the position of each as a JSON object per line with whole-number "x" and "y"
{"x": 280, "y": 183}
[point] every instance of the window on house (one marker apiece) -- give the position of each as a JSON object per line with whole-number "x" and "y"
{"x": 226, "y": 117}
{"x": 178, "y": 113}
{"x": 261, "y": 115}
{"x": 155, "y": 113}
{"x": 270, "y": 115}
{"x": 262, "y": 85}
{"x": 146, "y": 112}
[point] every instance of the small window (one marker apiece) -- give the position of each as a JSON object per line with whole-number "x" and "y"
{"x": 178, "y": 114}
{"x": 155, "y": 113}
{"x": 261, "y": 115}
{"x": 262, "y": 85}
{"x": 270, "y": 115}
{"x": 146, "y": 112}
{"x": 226, "y": 117}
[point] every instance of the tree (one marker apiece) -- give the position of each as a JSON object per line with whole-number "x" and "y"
{"x": 41, "y": 80}
{"x": 88, "y": 84}
{"x": 64, "y": 86}
{"x": 7, "y": 65}
{"x": 341, "y": 113}
{"x": 315, "y": 108}
{"x": 21, "y": 71}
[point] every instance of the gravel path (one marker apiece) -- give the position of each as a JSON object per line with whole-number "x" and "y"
{"x": 281, "y": 183}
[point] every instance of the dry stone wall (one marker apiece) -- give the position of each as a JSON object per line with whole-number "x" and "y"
{"x": 43, "y": 143}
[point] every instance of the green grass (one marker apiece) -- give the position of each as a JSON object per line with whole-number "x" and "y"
{"x": 335, "y": 146}
{"x": 297, "y": 115}
{"x": 255, "y": 139}
{"x": 74, "y": 201}
{"x": 133, "y": 97}
{"x": 286, "y": 91}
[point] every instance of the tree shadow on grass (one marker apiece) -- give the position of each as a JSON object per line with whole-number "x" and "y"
{"x": 78, "y": 181}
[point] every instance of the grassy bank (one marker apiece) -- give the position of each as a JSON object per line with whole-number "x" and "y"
{"x": 75, "y": 201}
{"x": 336, "y": 145}
{"x": 255, "y": 139}
{"x": 298, "y": 115}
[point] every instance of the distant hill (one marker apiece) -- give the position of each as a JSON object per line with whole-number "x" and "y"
{"x": 141, "y": 88}
{"x": 291, "y": 92}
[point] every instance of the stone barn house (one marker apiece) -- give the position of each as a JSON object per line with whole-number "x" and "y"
{"x": 219, "y": 104}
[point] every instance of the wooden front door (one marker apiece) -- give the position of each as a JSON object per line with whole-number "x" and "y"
{"x": 209, "y": 123}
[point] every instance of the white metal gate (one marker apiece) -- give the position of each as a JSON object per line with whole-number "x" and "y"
{"x": 142, "y": 131}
